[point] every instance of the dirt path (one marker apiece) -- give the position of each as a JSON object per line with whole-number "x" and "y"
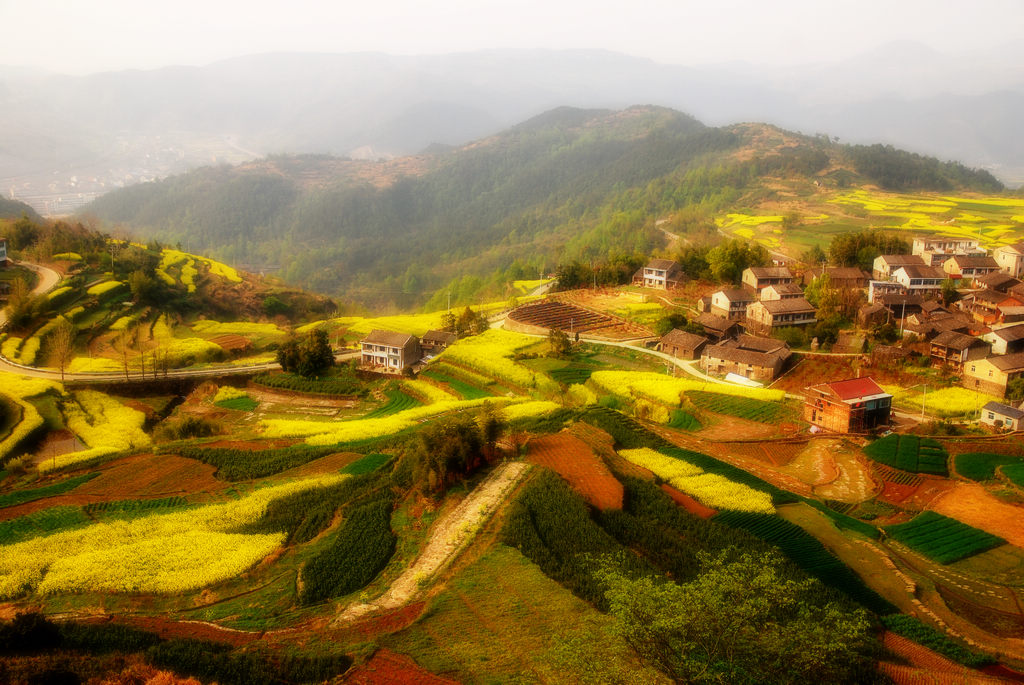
{"x": 450, "y": 535}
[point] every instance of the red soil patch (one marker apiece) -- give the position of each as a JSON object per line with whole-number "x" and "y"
{"x": 771, "y": 452}
{"x": 391, "y": 622}
{"x": 254, "y": 445}
{"x": 895, "y": 493}
{"x": 145, "y": 476}
{"x": 973, "y": 505}
{"x": 573, "y": 460}
{"x": 328, "y": 464}
{"x": 1000, "y": 671}
{"x": 690, "y": 504}
{"x": 918, "y": 655}
{"x": 231, "y": 342}
{"x": 189, "y": 629}
{"x": 389, "y": 668}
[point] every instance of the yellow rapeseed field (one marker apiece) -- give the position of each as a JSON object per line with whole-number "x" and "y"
{"x": 167, "y": 553}
{"x": 102, "y": 423}
{"x": 668, "y": 390}
{"x": 490, "y": 352}
{"x": 713, "y": 490}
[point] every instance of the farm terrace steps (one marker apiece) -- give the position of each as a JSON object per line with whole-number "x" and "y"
{"x": 569, "y": 317}
{"x": 920, "y": 657}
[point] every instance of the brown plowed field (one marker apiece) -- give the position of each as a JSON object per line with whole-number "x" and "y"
{"x": 392, "y": 621}
{"x": 389, "y": 668}
{"x": 144, "y": 476}
{"x": 812, "y": 369}
{"x": 573, "y": 460}
{"x": 690, "y": 504}
{"x": 920, "y": 656}
{"x": 328, "y": 464}
{"x": 973, "y": 505}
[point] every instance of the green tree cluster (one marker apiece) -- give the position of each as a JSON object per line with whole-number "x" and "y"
{"x": 308, "y": 357}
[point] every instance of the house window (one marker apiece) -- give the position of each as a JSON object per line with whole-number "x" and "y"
{"x": 991, "y": 416}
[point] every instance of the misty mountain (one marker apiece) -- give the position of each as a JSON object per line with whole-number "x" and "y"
{"x": 567, "y": 184}
{"x": 67, "y": 137}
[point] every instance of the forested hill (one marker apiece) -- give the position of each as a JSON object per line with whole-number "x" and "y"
{"x": 568, "y": 184}
{"x": 13, "y": 209}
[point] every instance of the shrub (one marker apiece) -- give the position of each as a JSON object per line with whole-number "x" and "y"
{"x": 911, "y": 628}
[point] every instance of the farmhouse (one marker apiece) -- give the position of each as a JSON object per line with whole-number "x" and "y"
{"x": 969, "y": 266}
{"x": 854, "y": 405}
{"x": 840, "y": 276}
{"x": 782, "y": 291}
{"x": 993, "y": 374}
{"x": 1006, "y": 340}
{"x": 766, "y": 316}
{"x": 871, "y": 315}
{"x": 682, "y": 345}
{"x": 1010, "y": 259}
{"x": 935, "y": 249}
{"x": 717, "y": 328}
{"x": 901, "y": 305}
{"x": 759, "y": 359}
{"x": 730, "y": 303}
{"x": 998, "y": 281}
{"x": 390, "y": 351}
{"x": 757, "y": 277}
{"x": 435, "y": 342}
{"x": 924, "y": 280}
{"x": 1000, "y": 415}
{"x": 659, "y": 273}
{"x": 955, "y": 349}
{"x": 884, "y": 265}
{"x": 987, "y": 306}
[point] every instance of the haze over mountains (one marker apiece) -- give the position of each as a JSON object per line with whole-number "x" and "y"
{"x": 66, "y": 139}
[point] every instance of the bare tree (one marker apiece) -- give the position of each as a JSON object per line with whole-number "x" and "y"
{"x": 62, "y": 344}
{"x": 124, "y": 344}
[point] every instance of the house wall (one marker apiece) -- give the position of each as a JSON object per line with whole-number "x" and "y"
{"x": 753, "y": 372}
{"x": 983, "y": 376}
{"x": 997, "y": 420}
{"x": 831, "y": 416}
{"x": 1009, "y": 262}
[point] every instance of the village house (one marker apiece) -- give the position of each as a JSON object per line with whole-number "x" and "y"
{"x": 884, "y": 265}
{"x": 923, "y": 280}
{"x": 998, "y": 281}
{"x": 969, "y": 266}
{"x": 901, "y": 305}
{"x": 389, "y": 351}
{"x": 1000, "y": 415}
{"x": 435, "y": 342}
{"x": 927, "y": 326}
{"x": 992, "y": 375}
{"x": 782, "y": 291}
{"x": 766, "y": 316}
{"x": 840, "y": 276}
{"x": 871, "y": 315}
{"x": 1010, "y": 259}
{"x": 988, "y": 306}
{"x": 730, "y": 303}
{"x": 1006, "y": 340}
{"x": 936, "y": 249}
{"x": 855, "y": 405}
{"x": 718, "y": 328}
{"x": 954, "y": 349}
{"x": 704, "y": 304}
{"x": 659, "y": 273}
{"x": 757, "y": 277}
{"x": 682, "y": 345}
{"x": 1010, "y": 314}
{"x": 759, "y": 359}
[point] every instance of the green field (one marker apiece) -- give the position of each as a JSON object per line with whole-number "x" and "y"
{"x": 943, "y": 539}
{"x": 981, "y": 466}
{"x": 742, "y": 407}
{"x": 910, "y": 453}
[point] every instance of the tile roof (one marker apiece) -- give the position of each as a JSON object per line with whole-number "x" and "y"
{"x": 1004, "y": 409}
{"x": 854, "y": 388}
{"x": 921, "y": 271}
{"x": 792, "y": 305}
{"x": 389, "y": 338}
{"x": 445, "y": 337}
{"x": 736, "y": 295}
{"x": 770, "y": 272}
{"x": 974, "y": 261}
{"x": 715, "y": 323}
{"x": 683, "y": 339}
{"x": 662, "y": 264}
{"x": 902, "y": 259}
{"x": 956, "y": 341}
{"x": 1010, "y": 333}
{"x": 997, "y": 280}
{"x": 1008, "y": 362}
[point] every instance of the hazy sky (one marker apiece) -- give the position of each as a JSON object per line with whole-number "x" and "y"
{"x": 82, "y": 36}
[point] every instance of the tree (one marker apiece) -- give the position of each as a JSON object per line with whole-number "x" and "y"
{"x": 740, "y": 620}
{"x": 491, "y": 427}
{"x": 1015, "y": 390}
{"x": 309, "y": 357}
{"x": 814, "y": 255}
{"x": 670, "y": 322}
{"x": 559, "y": 343}
{"x": 729, "y": 260}
{"x": 62, "y": 344}
{"x": 145, "y": 289}
{"x": 446, "y": 448}
{"x": 949, "y": 292}
{"x": 470, "y": 323}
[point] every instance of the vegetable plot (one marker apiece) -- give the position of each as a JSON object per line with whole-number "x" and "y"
{"x": 943, "y": 539}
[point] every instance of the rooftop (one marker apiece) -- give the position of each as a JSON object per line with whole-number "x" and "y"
{"x": 921, "y": 271}
{"x": 956, "y": 341}
{"x": 389, "y": 338}
{"x": 974, "y": 261}
{"x": 854, "y": 388}
{"x": 735, "y": 295}
{"x": 683, "y": 339}
{"x": 1004, "y": 409}
{"x": 901, "y": 259}
{"x": 1010, "y": 333}
{"x": 661, "y": 264}
{"x": 770, "y": 272}
{"x": 793, "y": 305}
{"x": 1008, "y": 362}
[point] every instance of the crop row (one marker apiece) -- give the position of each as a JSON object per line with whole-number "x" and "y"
{"x": 165, "y": 552}
{"x": 911, "y": 628}
{"x": 910, "y": 453}
{"x": 943, "y": 539}
{"x": 398, "y": 401}
{"x": 711, "y": 489}
{"x": 463, "y": 389}
{"x": 330, "y": 385}
{"x": 11, "y": 499}
{"x": 42, "y": 522}
{"x": 809, "y": 554}
{"x": 247, "y": 464}
{"x": 742, "y": 407}
{"x": 426, "y": 392}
